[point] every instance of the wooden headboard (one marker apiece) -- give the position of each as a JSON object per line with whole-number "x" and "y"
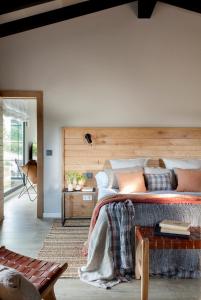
{"x": 114, "y": 143}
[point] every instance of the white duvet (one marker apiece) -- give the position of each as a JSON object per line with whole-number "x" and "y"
{"x": 99, "y": 268}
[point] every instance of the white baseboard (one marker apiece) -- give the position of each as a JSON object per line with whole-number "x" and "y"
{"x": 52, "y": 215}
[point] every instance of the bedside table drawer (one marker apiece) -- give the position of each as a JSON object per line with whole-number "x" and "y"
{"x": 79, "y": 205}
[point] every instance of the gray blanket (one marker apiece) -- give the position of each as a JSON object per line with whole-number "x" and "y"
{"x": 172, "y": 263}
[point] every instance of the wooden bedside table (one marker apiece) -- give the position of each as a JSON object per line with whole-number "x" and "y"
{"x": 77, "y": 205}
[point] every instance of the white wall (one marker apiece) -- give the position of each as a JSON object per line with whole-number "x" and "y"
{"x": 108, "y": 69}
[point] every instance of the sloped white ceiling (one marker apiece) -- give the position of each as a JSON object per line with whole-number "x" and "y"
{"x": 22, "y": 13}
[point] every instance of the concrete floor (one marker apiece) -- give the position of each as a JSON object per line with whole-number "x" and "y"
{"x": 22, "y": 232}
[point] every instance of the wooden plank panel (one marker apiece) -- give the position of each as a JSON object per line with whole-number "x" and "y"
{"x": 120, "y": 148}
{"x": 145, "y": 153}
{"x": 133, "y": 154}
{"x": 114, "y": 143}
{"x": 125, "y": 133}
{"x": 101, "y": 160}
{"x": 115, "y": 151}
{"x": 137, "y": 142}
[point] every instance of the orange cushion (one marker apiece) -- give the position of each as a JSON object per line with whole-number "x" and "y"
{"x": 131, "y": 182}
{"x": 30, "y": 169}
{"x": 188, "y": 180}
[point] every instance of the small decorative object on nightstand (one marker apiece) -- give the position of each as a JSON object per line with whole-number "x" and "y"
{"x": 78, "y": 205}
{"x": 75, "y": 180}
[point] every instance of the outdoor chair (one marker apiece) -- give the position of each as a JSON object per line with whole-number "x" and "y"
{"x": 28, "y": 174}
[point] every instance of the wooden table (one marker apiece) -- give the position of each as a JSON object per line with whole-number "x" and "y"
{"x": 145, "y": 240}
{"x": 77, "y": 205}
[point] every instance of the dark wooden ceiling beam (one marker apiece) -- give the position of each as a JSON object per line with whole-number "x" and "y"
{"x": 193, "y": 5}
{"x": 7, "y": 6}
{"x": 58, "y": 15}
{"x": 146, "y": 8}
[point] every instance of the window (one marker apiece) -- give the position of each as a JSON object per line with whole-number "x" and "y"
{"x": 13, "y": 138}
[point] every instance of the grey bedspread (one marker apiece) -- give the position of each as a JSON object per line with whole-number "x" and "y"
{"x": 166, "y": 262}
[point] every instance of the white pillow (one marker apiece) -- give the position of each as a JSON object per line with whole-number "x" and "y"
{"x": 156, "y": 170}
{"x": 106, "y": 179}
{"x": 182, "y": 164}
{"x": 102, "y": 180}
{"x": 128, "y": 163}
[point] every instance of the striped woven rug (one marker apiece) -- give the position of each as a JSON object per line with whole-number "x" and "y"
{"x": 64, "y": 244}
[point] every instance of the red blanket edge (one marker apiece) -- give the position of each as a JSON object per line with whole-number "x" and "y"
{"x": 151, "y": 199}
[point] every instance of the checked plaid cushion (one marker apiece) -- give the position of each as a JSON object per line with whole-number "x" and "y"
{"x": 158, "y": 182}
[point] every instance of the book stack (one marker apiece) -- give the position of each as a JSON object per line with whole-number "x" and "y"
{"x": 173, "y": 228}
{"x": 88, "y": 189}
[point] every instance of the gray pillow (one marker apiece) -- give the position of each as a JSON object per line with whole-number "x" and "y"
{"x": 128, "y": 163}
{"x": 159, "y": 170}
{"x": 158, "y": 182}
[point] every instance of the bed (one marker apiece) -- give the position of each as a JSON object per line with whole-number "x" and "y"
{"x": 111, "y": 235}
{"x": 117, "y": 143}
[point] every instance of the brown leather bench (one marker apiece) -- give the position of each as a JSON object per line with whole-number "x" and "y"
{"x": 41, "y": 273}
{"x": 145, "y": 240}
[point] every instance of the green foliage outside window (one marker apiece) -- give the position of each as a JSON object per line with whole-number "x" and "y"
{"x": 13, "y": 149}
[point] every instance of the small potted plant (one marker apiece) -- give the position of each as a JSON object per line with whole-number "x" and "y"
{"x": 75, "y": 180}
{"x": 70, "y": 176}
{"x": 80, "y": 181}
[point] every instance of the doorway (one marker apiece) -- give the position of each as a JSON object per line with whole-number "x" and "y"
{"x": 28, "y": 96}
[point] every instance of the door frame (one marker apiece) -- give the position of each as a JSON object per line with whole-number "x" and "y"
{"x": 38, "y": 95}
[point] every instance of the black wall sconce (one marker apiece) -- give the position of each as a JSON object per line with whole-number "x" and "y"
{"x": 88, "y": 138}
